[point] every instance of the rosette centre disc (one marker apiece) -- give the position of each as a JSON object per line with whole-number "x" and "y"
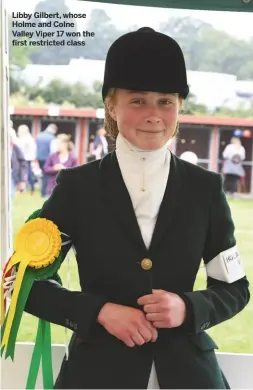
{"x": 37, "y": 243}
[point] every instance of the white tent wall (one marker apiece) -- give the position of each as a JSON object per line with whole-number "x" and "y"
{"x": 5, "y": 244}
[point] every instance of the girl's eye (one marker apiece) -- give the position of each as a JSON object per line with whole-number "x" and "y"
{"x": 166, "y": 102}
{"x": 137, "y": 101}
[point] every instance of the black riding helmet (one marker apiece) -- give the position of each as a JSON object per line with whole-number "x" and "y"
{"x": 145, "y": 60}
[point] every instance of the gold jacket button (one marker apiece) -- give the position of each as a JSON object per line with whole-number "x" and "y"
{"x": 146, "y": 264}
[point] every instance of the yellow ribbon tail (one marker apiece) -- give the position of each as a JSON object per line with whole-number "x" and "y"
{"x": 19, "y": 278}
{"x": 13, "y": 260}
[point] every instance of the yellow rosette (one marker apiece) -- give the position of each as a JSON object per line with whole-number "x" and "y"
{"x": 37, "y": 245}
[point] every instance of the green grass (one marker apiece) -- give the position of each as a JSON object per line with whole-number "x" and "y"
{"x": 234, "y": 335}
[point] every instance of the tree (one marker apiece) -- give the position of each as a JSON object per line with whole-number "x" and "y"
{"x": 188, "y": 33}
{"x": 32, "y": 92}
{"x": 58, "y": 55}
{"x": 223, "y": 53}
{"x": 97, "y": 86}
{"x": 56, "y": 92}
{"x": 191, "y": 107}
{"x": 246, "y": 70}
{"x": 239, "y": 112}
{"x": 19, "y": 57}
{"x": 81, "y": 97}
{"x": 13, "y": 84}
{"x": 211, "y": 50}
{"x": 105, "y": 34}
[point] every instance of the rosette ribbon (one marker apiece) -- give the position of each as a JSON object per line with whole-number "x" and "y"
{"x": 37, "y": 256}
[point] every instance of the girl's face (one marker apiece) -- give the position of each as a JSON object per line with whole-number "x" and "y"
{"x": 146, "y": 119}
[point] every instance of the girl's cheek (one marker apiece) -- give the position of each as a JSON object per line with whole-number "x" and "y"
{"x": 170, "y": 116}
{"x": 129, "y": 117}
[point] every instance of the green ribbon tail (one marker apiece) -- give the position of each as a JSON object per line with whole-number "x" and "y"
{"x": 2, "y": 334}
{"x": 41, "y": 353}
{"x": 47, "y": 366}
{"x": 35, "y": 362}
{"x": 22, "y": 298}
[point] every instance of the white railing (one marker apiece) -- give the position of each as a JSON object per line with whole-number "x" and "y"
{"x": 238, "y": 368}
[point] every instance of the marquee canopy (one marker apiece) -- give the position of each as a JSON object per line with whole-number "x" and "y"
{"x": 212, "y": 5}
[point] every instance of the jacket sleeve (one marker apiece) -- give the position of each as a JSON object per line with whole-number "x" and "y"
{"x": 48, "y": 300}
{"x": 227, "y": 291}
{"x": 48, "y": 167}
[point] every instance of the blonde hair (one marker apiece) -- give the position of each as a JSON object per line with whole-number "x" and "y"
{"x": 111, "y": 126}
{"x": 66, "y": 138}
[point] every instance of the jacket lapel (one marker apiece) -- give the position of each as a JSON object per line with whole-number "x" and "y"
{"x": 116, "y": 197}
{"x": 172, "y": 201}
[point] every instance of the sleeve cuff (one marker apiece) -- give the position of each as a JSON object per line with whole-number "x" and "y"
{"x": 188, "y": 323}
{"x": 87, "y": 319}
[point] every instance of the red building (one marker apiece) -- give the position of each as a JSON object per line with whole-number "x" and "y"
{"x": 206, "y": 136}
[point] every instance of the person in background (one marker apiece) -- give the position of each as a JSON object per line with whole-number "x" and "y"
{"x": 54, "y": 146}
{"x": 190, "y": 157}
{"x": 233, "y": 155}
{"x": 100, "y": 144}
{"x": 91, "y": 155}
{"x": 43, "y": 141}
{"x": 63, "y": 158}
{"x": 28, "y": 147}
{"x": 19, "y": 171}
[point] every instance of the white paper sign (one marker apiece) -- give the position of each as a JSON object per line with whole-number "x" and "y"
{"x": 226, "y": 266}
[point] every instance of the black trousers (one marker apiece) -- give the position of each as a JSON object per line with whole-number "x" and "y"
{"x": 44, "y": 182}
{"x": 231, "y": 183}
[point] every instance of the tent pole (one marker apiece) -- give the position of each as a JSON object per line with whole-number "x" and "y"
{"x": 6, "y": 230}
